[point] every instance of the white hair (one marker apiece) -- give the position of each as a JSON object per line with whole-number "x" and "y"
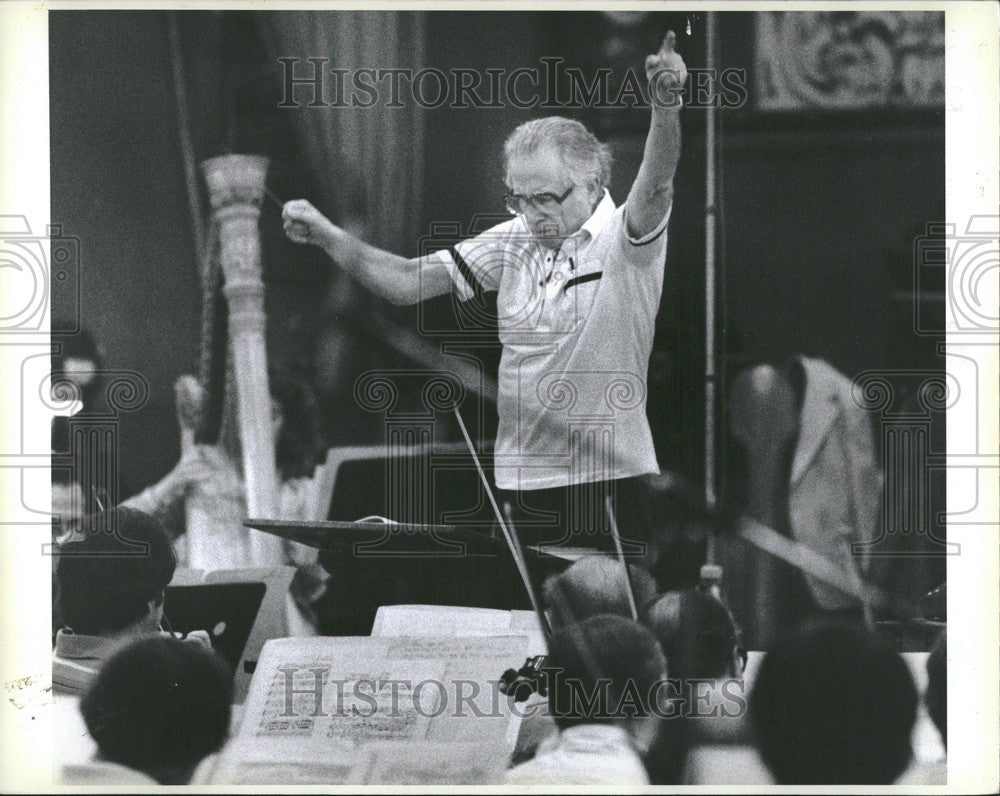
{"x": 582, "y": 153}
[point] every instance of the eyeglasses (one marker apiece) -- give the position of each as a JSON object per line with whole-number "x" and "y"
{"x": 517, "y": 202}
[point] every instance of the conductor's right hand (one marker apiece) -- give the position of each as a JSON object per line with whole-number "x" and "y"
{"x": 305, "y": 224}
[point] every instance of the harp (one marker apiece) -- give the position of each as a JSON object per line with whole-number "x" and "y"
{"x": 228, "y": 407}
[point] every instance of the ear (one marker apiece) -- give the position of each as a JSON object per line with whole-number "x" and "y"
{"x": 155, "y": 609}
{"x": 643, "y": 731}
{"x": 739, "y": 663}
{"x": 595, "y": 191}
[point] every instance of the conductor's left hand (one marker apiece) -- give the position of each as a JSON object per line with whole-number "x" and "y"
{"x": 666, "y": 73}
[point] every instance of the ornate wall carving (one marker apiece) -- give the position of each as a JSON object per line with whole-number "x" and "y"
{"x": 851, "y": 60}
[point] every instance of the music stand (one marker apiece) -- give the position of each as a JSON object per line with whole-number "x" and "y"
{"x": 241, "y": 609}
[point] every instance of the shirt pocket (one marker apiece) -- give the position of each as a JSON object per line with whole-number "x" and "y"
{"x": 577, "y": 294}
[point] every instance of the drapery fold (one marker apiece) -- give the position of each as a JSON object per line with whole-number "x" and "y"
{"x": 367, "y": 160}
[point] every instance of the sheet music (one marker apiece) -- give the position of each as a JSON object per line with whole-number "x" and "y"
{"x": 440, "y": 620}
{"x": 318, "y": 707}
{"x": 458, "y": 651}
{"x": 244, "y": 762}
{"x": 449, "y": 620}
{"x": 342, "y": 692}
{"x": 435, "y": 764}
{"x": 527, "y": 623}
{"x": 473, "y": 667}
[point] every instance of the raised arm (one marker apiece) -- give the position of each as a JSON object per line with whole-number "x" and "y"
{"x": 388, "y": 275}
{"x": 653, "y": 188}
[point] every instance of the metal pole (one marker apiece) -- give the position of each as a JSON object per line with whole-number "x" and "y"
{"x": 710, "y": 232}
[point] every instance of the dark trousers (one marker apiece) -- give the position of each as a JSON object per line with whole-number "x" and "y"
{"x": 576, "y": 516}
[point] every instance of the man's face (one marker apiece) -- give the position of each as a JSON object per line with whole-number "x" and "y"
{"x": 79, "y": 371}
{"x": 67, "y": 506}
{"x": 543, "y": 171}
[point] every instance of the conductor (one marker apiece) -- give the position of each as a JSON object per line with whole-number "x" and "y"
{"x": 578, "y": 282}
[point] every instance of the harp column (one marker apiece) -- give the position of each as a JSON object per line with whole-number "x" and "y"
{"x": 236, "y": 191}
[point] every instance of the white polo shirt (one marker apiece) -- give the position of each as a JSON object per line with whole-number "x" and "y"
{"x": 577, "y": 331}
{"x": 585, "y": 754}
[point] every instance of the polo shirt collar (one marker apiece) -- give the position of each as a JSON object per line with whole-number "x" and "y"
{"x": 601, "y": 215}
{"x": 595, "y": 738}
{"x": 598, "y": 219}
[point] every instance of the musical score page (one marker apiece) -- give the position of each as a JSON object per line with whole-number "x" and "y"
{"x": 319, "y": 708}
{"x": 342, "y": 689}
{"x": 450, "y": 620}
{"x": 434, "y": 764}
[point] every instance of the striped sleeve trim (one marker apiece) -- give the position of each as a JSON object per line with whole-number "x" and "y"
{"x": 466, "y": 271}
{"x": 652, "y": 236}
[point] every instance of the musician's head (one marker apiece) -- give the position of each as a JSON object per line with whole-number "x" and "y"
{"x": 556, "y": 172}
{"x": 160, "y": 706}
{"x": 295, "y": 414}
{"x": 595, "y": 585}
{"x": 77, "y": 361}
{"x": 762, "y": 390}
{"x": 605, "y": 670}
{"x": 68, "y": 505}
{"x": 698, "y": 635}
{"x": 111, "y": 580}
{"x": 701, "y": 643}
{"x": 833, "y": 705}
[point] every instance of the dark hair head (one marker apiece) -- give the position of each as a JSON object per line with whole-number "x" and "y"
{"x": 106, "y": 580}
{"x": 159, "y": 706}
{"x": 297, "y": 446}
{"x": 696, "y": 632}
{"x": 76, "y": 345}
{"x": 833, "y": 705}
{"x": 595, "y": 585}
{"x": 936, "y": 695}
{"x": 602, "y": 670}
{"x": 789, "y": 367}
{"x": 79, "y": 345}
